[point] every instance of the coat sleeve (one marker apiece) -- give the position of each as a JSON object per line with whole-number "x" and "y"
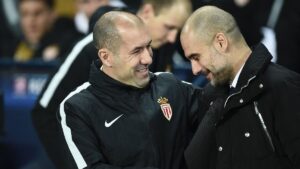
{"x": 195, "y": 104}
{"x": 200, "y": 100}
{"x": 287, "y": 117}
{"x": 81, "y": 140}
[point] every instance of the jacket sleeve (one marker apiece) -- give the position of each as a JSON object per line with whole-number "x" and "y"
{"x": 195, "y": 105}
{"x": 82, "y": 141}
{"x": 287, "y": 117}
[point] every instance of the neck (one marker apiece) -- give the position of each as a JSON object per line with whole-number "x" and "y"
{"x": 239, "y": 59}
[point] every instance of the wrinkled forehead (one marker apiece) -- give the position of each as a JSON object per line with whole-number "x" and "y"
{"x": 136, "y": 35}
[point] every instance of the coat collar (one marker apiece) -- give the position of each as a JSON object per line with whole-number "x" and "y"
{"x": 256, "y": 63}
{"x": 103, "y": 82}
{"x": 250, "y": 79}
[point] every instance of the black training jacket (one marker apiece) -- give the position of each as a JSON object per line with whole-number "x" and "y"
{"x": 110, "y": 125}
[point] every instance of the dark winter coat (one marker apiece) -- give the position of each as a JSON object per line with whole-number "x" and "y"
{"x": 259, "y": 126}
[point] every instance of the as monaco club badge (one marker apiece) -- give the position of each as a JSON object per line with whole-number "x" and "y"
{"x": 165, "y": 107}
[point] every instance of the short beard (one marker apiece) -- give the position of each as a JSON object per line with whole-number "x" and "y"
{"x": 222, "y": 77}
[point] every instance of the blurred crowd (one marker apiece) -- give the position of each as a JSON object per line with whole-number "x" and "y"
{"x": 48, "y": 29}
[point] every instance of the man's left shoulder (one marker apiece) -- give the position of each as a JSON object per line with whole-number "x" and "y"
{"x": 278, "y": 75}
{"x": 164, "y": 76}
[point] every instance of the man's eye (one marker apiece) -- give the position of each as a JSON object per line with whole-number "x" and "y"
{"x": 170, "y": 27}
{"x": 195, "y": 58}
{"x": 137, "y": 51}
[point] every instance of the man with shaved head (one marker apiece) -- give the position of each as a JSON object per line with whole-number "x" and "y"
{"x": 258, "y": 124}
{"x": 163, "y": 20}
{"x": 126, "y": 116}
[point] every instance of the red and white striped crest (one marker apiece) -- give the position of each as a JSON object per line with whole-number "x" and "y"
{"x": 167, "y": 111}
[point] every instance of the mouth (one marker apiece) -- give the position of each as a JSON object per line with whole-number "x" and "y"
{"x": 142, "y": 71}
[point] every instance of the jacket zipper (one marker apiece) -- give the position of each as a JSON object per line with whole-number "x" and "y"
{"x": 239, "y": 90}
{"x": 262, "y": 122}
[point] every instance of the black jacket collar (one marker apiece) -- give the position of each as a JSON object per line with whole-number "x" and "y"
{"x": 248, "y": 86}
{"x": 101, "y": 81}
{"x": 256, "y": 63}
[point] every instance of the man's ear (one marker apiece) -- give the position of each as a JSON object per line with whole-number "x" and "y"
{"x": 221, "y": 42}
{"x": 146, "y": 12}
{"x": 105, "y": 56}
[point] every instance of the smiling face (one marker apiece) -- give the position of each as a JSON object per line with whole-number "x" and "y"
{"x": 135, "y": 56}
{"x": 206, "y": 59}
{"x": 130, "y": 63}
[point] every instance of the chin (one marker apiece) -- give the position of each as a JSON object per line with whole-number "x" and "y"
{"x": 218, "y": 82}
{"x": 143, "y": 83}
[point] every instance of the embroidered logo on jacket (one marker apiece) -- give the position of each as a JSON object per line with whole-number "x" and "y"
{"x": 165, "y": 107}
{"x": 108, "y": 124}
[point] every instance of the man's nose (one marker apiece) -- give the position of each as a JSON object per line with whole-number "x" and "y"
{"x": 147, "y": 57}
{"x": 196, "y": 68}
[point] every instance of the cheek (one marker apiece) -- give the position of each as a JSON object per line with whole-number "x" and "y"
{"x": 157, "y": 33}
{"x": 159, "y": 30}
{"x": 26, "y": 20}
{"x": 221, "y": 65}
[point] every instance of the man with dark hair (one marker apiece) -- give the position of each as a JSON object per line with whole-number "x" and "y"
{"x": 44, "y": 35}
{"x": 258, "y": 124}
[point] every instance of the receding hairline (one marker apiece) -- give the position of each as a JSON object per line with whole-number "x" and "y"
{"x": 209, "y": 20}
{"x": 107, "y": 30}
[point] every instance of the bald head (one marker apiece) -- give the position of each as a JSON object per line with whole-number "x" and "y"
{"x": 207, "y": 21}
{"x": 107, "y": 30}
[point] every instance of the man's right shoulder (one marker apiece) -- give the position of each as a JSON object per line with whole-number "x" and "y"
{"x": 78, "y": 95}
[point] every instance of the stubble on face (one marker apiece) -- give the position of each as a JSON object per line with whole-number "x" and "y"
{"x": 222, "y": 76}
{"x": 221, "y": 70}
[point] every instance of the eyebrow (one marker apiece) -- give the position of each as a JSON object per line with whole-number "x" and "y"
{"x": 172, "y": 26}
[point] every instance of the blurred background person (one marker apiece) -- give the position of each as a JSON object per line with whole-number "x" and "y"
{"x": 85, "y": 9}
{"x": 164, "y": 19}
{"x": 44, "y": 35}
